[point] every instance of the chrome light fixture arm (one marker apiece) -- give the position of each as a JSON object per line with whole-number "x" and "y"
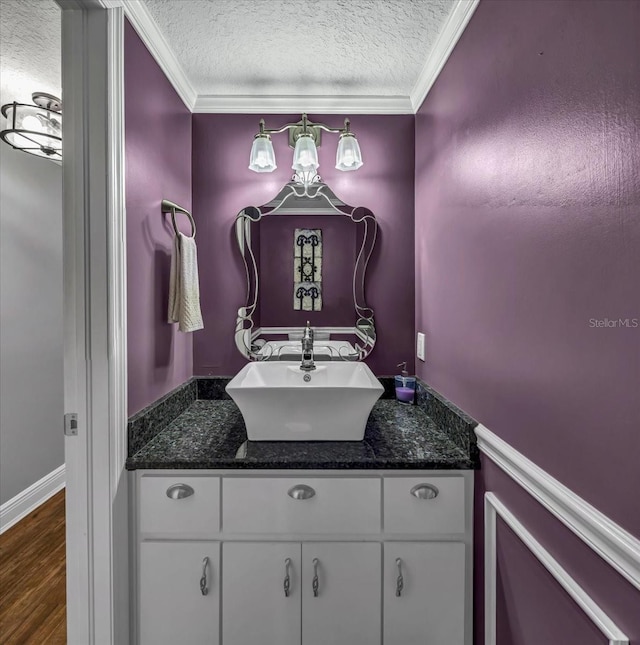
{"x": 304, "y": 126}
{"x": 322, "y": 126}
{"x": 287, "y": 126}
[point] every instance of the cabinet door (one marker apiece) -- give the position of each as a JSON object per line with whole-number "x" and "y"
{"x": 431, "y": 606}
{"x": 171, "y": 600}
{"x": 255, "y": 608}
{"x": 346, "y": 609}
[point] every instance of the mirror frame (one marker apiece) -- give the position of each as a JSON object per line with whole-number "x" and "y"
{"x": 297, "y": 199}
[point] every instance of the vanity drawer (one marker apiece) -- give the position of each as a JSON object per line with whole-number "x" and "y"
{"x": 177, "y": 504}
{"x": 424, "y": 504}
{"x": 324, "y": 505}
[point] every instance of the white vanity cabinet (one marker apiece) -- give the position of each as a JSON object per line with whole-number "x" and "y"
{"x": 344, "y": 604}
{"x": 303, "y": 557}
{"x": 179, "y": 592}
{"x": 424, "y": 592}
{"x": 327, "y": 591}
{"x": 257, "y": 608}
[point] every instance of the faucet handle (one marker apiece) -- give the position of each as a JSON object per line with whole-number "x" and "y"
{"x": 308, "y": 331}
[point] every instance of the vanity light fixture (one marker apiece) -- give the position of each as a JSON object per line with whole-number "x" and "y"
{"x": 305, "y": 137}
{"x": 263, "y": 158}
{"x": 348, "y": 155}
{"x": 37, "y": 128}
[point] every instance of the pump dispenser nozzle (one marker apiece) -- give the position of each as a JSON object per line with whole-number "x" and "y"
{"x": 403, "y": 371}
{"x": 405, "y": 385}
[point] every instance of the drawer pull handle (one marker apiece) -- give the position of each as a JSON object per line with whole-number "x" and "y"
{"x": 400, "y": 579}
{"x": 425, "y": 491}
{"x": 287, "y": 579}
{"x": 204, "y": 589}
{"x": 315, "y": 585}
{"x": 301, "y": 491}
{"x": 179, "y": 491}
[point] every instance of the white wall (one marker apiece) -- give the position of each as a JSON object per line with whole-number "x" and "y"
{"x": 31, "y": 337}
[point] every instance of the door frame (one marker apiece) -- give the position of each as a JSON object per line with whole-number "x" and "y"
{"x": 95, "y": 350}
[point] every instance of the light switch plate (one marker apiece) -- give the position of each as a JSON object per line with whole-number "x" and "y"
{"x": 420, "y": 346}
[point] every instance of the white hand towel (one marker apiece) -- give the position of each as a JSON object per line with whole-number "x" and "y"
{"x": 184, "y": 288}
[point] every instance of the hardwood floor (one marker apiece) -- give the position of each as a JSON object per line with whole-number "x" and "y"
{"x": 33, "y": 578}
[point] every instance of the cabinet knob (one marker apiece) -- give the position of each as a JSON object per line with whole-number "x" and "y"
{"x": 399, "y": 579}
{"x": 204, "y": 589}
{"x": 425, "y": 491}
{"x": 301, "y": 491}
{"x": 179, "y": 491}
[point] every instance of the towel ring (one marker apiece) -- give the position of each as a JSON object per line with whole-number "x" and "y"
{"x": 170, "y": 207}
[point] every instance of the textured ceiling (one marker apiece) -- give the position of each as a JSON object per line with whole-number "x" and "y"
{"x": 30, "y": 49}
{"x": 301, "y": 47}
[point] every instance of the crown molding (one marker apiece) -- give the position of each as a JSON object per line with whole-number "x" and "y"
{"x": 447, "y": 39}
{"x": 152, "y": 37}
{"x": 246, "y": 104}
{"x": 160, "y": 49}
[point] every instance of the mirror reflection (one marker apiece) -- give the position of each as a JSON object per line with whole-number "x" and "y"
{"x": 306, "y": 254}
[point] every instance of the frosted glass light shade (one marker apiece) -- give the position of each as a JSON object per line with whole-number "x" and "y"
{"x": 263, "y": 158}
{"x": 33, "y": 129}
{"x": 348, "y": 155}
{"x": 305, "y": 154}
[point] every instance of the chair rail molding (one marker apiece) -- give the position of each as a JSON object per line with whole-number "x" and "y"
{"x": 609, "y": 540}
{"x": 494, "y": 508}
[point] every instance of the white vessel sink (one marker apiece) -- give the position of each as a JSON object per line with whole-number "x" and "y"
{"x": 279, "y": 405}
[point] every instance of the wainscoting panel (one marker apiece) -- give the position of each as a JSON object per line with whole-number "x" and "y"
{"x": 494, "y": 508}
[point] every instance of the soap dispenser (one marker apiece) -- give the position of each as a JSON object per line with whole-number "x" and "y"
{"x": 405, "y": 385}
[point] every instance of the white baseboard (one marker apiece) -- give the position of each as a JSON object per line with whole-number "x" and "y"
{"x": 30, "y": 498}
{"x": 609, "y": 540}
{"x": 494, "y": 508}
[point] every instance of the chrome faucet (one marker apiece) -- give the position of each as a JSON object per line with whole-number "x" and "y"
{"x": 307, "y": 364}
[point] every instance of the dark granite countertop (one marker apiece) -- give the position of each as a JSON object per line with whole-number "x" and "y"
{"x": 210, "y": 433}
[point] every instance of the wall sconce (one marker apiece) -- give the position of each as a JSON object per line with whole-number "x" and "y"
{"x": 305, "y": 137}
{"x": 37, "y": 128}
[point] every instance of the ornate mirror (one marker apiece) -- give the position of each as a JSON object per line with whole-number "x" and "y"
{"x": 306, "y": 254}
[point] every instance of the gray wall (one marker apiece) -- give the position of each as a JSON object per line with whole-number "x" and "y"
{"x": 31, "y": 337}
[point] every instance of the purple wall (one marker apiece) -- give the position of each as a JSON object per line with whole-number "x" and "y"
{"x": 158, "y": 166}
{"x": 527, "y": 227}
{"x": 223, "y": 185}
